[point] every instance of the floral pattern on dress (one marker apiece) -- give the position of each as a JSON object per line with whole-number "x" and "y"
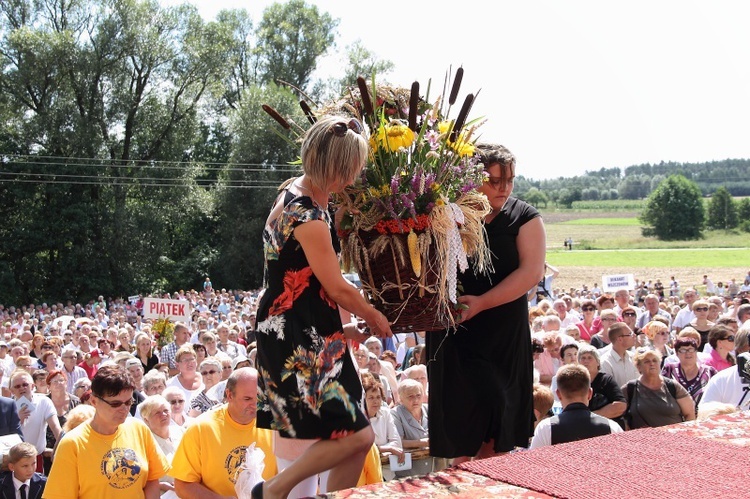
{"x": 308, "y": 385}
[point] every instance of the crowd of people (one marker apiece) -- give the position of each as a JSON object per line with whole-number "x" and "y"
{"x": 652, "y": 359}
{"x": 306, "y": 380}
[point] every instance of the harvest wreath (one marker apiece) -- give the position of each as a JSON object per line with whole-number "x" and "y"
{"x": 414, "y": 217}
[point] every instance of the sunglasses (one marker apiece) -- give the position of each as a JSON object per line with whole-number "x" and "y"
{"x": 339, "y": 129}
{"x": 729, "y": 338}
{"x": 212, "y": 371}
{"x": 117, "y": 403}
{"x": 588, "y": 309}
{"x": 701, "y": 309}
{"x": 629, "y": 314}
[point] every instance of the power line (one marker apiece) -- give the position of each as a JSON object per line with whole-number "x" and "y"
{"x": 108, "y": 184}
{"x": 137, "y": 179}
{"x": 160, "y": 164}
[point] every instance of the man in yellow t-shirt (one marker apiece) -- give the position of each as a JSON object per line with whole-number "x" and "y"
{"x": 213, "y": 447}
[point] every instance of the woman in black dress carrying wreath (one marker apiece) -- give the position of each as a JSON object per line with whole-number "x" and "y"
{"x": 481, "y": 374}
{"x": 309, "y": 387}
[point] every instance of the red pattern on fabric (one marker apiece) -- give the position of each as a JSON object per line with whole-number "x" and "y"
{"x": 295, "y": 282}
{"x": 327, "y": 298}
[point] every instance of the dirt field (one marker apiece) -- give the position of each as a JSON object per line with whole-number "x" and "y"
{"x": 576, "y": 276}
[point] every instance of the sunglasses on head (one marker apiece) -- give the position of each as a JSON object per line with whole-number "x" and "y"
{"x": 339, "y": 129}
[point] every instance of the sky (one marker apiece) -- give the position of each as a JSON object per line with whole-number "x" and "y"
{"x": 568, "y": 86}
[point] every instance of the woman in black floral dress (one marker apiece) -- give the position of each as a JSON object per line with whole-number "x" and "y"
{"x": 309, "y": 387}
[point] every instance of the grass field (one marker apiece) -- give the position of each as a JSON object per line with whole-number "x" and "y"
{"x": 609, "y": 242}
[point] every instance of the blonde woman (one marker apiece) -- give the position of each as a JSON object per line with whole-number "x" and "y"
{"x": 305, "y": 322}
{"x": 701, "y": 323}
{"x": 144, "y": 351}
{"x": 658, "y": 334}
{"x": 652, "y": 399}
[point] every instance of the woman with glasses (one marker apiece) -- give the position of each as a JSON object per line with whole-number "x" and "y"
{"x": 721, "y": 339}
{"x": 688, "y": 372}
{"x": 658, "y": 334}
{"x": 176, "y": 399}
{"x": 585, "y": 326}
{"x": 701, "y": 323}
{"x": 110, "y": 455}
{"x": 210, "y": 370}
{"x": 607, "y": 317}
{"x": 309, "y": 387}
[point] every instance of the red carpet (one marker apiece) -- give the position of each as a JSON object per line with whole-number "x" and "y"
{"x": 648, "y": 463}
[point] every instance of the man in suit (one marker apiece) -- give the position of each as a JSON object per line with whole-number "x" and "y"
{"x": 22, "y": 477}
{"x": 9, "y": 423}
{"x": 576, "y": 422}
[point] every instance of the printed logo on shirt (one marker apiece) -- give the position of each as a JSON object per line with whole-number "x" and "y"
{"x": 121, "y": 467}
{"x": 234, "y": 460}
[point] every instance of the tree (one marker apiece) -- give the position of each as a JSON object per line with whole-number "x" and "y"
{"x": 118, "y": 86}
{"x": 291, "y": 37}
{"x": 743, "y": 210}
{"x": 722, "y": 210}
{"x": 536, "y": 197}
{"x": 246, "y": 195}
{"x": 674, "y": 211}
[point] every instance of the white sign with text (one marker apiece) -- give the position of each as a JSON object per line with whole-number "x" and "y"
{"x": 159, "y": 308}
{"x": 619, "y": 281}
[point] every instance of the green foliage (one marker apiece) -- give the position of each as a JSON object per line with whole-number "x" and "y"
{"x": 536, "y": 198}
{"x": 292, "y": 36}
{"x": 743, "y": 209}
{"x": 674, "y": 211}
{"x": 722, "y": 210}
{"x": 689, "y": 257}
{"x": 242, "y": 212}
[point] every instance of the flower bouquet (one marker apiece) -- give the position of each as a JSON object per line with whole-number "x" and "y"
{"x": 414, "y": 217}
{"x": 163, "y": 331}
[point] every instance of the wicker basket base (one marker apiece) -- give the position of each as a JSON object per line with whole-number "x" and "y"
{"x": 409, "y": 302}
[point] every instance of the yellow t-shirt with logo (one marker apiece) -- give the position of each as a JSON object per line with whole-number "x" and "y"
{"x": 213, "y": 448}
{"x": 88, "y": 464}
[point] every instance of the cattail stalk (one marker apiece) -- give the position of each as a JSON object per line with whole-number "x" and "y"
{"x": 456, "y": 86}
{"x": 461, "y": 120}
{"x": 413, "y": 103}
{"x": 275, "y": 115}
{"x": 365, "y": 95}
{"x": 308, "y": 112}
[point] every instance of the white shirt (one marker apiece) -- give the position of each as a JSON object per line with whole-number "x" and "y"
{"x": 683, "y": 317}
{"x": 726, "y": 387}
{"x": 385, "y": 429}
{"x": 621, "y": 369}
{"x": 543, "y": 432}
{"x": 17, "y": 485}
{"x": 35, "y": 427}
